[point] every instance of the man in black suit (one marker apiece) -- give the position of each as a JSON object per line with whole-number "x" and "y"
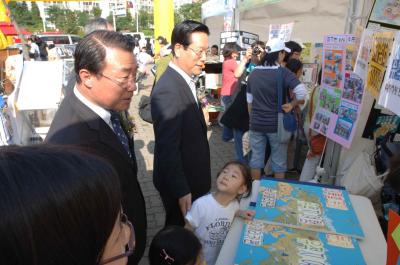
{"x": 181, "y": 155}
{"x": 105, "y": 70}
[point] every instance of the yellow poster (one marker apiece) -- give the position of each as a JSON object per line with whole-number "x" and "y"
{"x": 381, "y": 48}
{"x": 306, "y": 53}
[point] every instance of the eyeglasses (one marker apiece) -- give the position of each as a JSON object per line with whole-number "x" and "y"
{"x": 131, "y": 243}
{"x": 198, "y": 52}
{"x": 122, "y": 84}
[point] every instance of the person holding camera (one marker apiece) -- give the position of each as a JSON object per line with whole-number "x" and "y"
{"x": 231, "y": 71}
{"x": 236, "y": 116}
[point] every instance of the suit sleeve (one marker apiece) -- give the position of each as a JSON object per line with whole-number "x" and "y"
{"x": 167, "y": 121}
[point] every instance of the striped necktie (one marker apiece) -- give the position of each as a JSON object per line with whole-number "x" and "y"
{"x": 116, "y": 124}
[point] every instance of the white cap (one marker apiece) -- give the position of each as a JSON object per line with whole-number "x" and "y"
{"x": 276, "y": 45}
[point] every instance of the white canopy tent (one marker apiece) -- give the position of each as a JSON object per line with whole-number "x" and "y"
{"x": 312, "y": 20}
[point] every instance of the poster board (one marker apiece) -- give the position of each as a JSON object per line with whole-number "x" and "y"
{"x": 381, "y": 47}
{"x": 281, "y": 31}
{"x": 389, "y": 97}
{"x": 310, "y": 73}
{"x": 386, "y": 12}
{"x": 364, "y": 51}
{"x": 40, "y": 86}
{"x": 340, "y": 98}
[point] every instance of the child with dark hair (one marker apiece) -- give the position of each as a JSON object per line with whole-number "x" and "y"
{"x": 296, "y": 66}
{"x": 295, "y": 51}
{"x": 175, "y": 245}
{"x": 211, "y": 215}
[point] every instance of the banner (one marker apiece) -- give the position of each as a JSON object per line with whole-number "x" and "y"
{"x": 341, "y": 93}
{"x": 389, "y": 97}
{"x": 281, "y": 31}
{"x": 381, "y": 47}
{"x": 361, "y": 66}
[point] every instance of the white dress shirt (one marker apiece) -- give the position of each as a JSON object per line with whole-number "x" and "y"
{"x": 102, "y": 112}
{"x": 189, "y": 80}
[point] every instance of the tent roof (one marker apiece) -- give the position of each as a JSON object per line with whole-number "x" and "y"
{"x": 312, "y": 19}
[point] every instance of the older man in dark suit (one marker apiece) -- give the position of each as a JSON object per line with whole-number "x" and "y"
{"x": 181, "y": 155}
{"x": 105, "y": 69}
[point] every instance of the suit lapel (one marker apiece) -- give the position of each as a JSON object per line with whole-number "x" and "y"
{"x": 94, "y": 122}
{"x": 185, "y": 88}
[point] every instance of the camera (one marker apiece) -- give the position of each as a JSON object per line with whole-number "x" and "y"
{"x": 256, "y": 51}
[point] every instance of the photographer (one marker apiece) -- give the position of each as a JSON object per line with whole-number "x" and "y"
{"x": 236, "y": 117}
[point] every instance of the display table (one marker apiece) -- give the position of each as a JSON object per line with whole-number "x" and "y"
{"x": 373, "y": 246}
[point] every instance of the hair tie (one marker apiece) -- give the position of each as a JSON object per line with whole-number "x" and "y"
{"x": 167, "y": 257}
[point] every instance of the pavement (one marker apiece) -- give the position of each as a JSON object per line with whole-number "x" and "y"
{"x": 220, "y": 152}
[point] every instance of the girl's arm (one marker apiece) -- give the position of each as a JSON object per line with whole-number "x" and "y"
{"x": 245, "y": 214}
{"x": 188, "y": 226}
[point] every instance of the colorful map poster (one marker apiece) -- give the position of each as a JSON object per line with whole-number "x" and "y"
{"x": 309, "y": 207}
{"x": 262, "y": 243}
{"x": 389, "y": 97}
{"x": 381, "y": 47}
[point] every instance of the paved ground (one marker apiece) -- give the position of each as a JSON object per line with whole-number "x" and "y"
{"x": 221, "y": 152}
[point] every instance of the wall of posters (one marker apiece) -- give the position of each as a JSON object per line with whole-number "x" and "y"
{"x": 381, "y": 47}
{"x": 389, "y": 97}
{"x": 386, "y": 11}
{"x": 340, "y": 96}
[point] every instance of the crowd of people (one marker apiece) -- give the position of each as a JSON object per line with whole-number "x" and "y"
{"x": 79, "y": 200}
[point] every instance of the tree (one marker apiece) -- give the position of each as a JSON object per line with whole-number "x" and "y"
{"x": 96, "y": 12}
{"x": 36, "y": 19}
{"x": 123, "y": 23}
{"x": 83, "y": 18}
{"x": 146, "y": 22}
{"x": 24, "y": 17}
{"x": 188, "y": 11}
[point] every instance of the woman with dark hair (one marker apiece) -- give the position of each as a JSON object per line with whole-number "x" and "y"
{"x": 263, "y": 86}
{"x": 175, "y": 245}
{"x": 237, "y": 115}
{"x": 231, "y": 72}
{"x": 296, "y": 67}
{"x": 60, "y": 206}
{"x": 295, "y": 51}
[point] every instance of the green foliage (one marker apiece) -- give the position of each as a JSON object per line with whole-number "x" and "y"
{"x": 146, "y": 23}
{"x": 188, "y": 11}
{"x": 64, "y": 19}
{"x": 123, "y": 23}
{"x": 96, "y": 12}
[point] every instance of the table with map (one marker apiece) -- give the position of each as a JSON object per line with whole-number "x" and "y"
{"x": 300, "y": 223}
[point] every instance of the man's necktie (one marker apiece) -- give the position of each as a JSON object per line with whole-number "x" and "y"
{"x": 116, "y": 124}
